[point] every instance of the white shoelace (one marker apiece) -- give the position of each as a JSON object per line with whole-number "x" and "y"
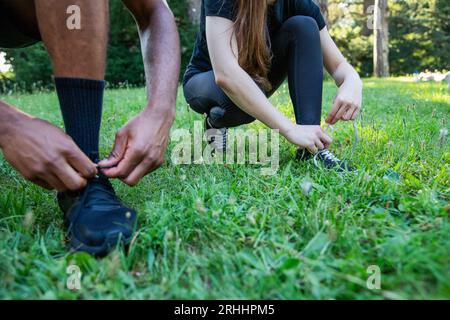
{"x": 328, "y": 155}
{"x": 330, "y": 129}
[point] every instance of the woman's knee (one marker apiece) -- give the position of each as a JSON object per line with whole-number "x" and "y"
{"x": 229, "y": 117}
{"x": 302, "y": 26}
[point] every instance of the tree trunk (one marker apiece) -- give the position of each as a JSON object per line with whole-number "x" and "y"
{"x": 323, "y": 4}
{"x": 381, "y": 39}
{"x": 368, "y": 12}
{"x": 194, "y": 11}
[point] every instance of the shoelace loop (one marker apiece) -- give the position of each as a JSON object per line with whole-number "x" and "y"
{"x": 328, "y": 155}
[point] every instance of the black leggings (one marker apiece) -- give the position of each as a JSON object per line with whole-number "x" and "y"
{"x": 297, "y": 54}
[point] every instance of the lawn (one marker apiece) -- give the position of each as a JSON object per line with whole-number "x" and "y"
{"x": 228, "y": 232}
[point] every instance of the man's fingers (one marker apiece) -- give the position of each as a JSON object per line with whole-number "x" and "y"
{"x": 129, "y": 162}
{"x": 69, "y": 177}
{"x": 137, "y": 174}
{"x": 118, "y": 152}
{"x": 41, "y": 183}
{"x": 54, "y": 182}
{"x": 81, "y": 163}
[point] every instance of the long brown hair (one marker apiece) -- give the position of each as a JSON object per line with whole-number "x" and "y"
{"x": 252, "y": 35}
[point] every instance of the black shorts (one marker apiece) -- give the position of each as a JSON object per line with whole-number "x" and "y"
{"x": 11, "y": 35}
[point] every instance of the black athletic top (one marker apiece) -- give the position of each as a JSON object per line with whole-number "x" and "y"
{"x": 279, "y": 12}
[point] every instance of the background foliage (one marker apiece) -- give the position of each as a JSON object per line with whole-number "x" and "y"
{"x": 419, "y": 40}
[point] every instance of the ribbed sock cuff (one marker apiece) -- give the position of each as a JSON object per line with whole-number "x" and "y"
{"x": 81, "y": 102}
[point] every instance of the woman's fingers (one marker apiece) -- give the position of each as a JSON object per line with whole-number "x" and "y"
{"x": 326, "y": 140}
{"x": 319, "y": 144}
{"x": 342, "y": 110}
{"x": 348, "y": 114}
{"x": 355, "y": 114}
{"x": 332, "y": 116}
{"x": 312, "y": 148}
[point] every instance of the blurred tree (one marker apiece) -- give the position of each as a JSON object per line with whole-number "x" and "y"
{"x": 323, "y": 4}
{"x": 368, "y": 10}
{"x": 419, "y": 35}
{"x": 32, "y": 66}
{"x": 194, "y": 11}
{"x": 419, "y": 39}
{"x": 381, "y": 39}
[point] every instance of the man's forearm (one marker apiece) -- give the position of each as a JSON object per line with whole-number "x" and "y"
{"x": 161, "y": 54}
{"x": 8, "y": 118}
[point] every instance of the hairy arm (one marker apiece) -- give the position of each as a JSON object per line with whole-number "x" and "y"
{"x": 41, "y": 152}
{"x": 347, "y": 102}
{"x": 244, "y": 92}
{"x": 141, "y": 144}
{"x": 160, "y": 49}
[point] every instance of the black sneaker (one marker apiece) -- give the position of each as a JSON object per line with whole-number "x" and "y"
{"x": 216, "y": 138}
{"x": 96, "y": 220}
{"x": 325, "y": 158}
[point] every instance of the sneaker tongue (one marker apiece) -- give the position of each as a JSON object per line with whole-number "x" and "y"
{"x": 100, "y": 190}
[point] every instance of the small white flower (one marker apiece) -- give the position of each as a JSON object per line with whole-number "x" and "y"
{"x": 443, "y": 133}
{"x": 306, "y": 187}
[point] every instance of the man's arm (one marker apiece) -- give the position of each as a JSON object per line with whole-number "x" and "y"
{"x": 41, "y": 152}
{"x": 161, "y": 51}
{"x": 141, "y": 144}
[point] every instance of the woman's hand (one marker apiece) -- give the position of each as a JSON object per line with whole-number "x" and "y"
{"x": 313, "y": 138}
{"x": 347, "y": 103}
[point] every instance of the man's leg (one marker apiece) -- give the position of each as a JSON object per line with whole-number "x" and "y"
{"x": 79, "y": 59}
{"x": 96, "y": 218}
{"x": 18, "y": 24}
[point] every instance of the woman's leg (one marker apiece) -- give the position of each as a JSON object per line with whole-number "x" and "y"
{"x": 297, "y": 53}
{"x": 206, "y": 97}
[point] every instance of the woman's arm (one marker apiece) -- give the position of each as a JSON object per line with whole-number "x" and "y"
{"x": 347, "y": 102}
{"x": 244, "y": 92}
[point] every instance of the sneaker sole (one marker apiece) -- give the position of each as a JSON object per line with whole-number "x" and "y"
{"x": 110, "y": 243}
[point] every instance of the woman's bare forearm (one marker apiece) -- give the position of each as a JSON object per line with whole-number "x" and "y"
{"x": 243, "y": 91}
{"x": 345, "y": 72}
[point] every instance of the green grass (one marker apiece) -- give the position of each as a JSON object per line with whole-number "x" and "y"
{"x": 229, "y": 232}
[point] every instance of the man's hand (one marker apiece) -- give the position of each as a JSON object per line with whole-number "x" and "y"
{"x": 140, "y": 147}
{"x": 43, "y": 153}
{"x": 347, "y": 103}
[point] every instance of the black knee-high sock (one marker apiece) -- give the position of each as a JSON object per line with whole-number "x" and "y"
{"x": 81, "y": 102}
